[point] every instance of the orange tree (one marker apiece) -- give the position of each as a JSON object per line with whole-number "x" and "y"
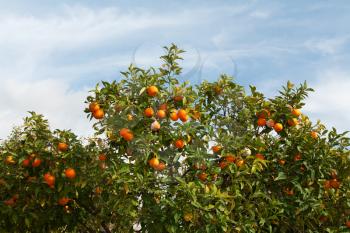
{"x": 171, "y": 157}
{"x": 48, "y": 179}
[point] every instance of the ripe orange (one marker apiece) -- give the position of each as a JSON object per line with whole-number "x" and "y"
{"x": 230, "y": 158}
{"x": 314, "y": 134}
{"x": 99, "y": 114}
{"x": 36, "y": 162}
{"x": 26, "y": 163}
{"x": 240, "y": 163}
{"x": 126, "y": 134}
{"x": 260, "y": 156}
{"x": 296, "y": 112}
{"x": 278, "y": 127}
{"x": 155, "y": 126}
{"x": 49, "y": 179}
{"x": 182, "y": 114}
{"x": 216, "y": 148}
{"x": 63, "y": 201}
{"x": 184, "y": 119}
{"x": 152, "y": 91}
{"x": 94, "y": 106}
{"x": 161, "y": 166}
{"x": 174, "y": 116}
{"x": 292, "y": 122}
{"x": 297, "y": 157}
{"x": 163, "y": 107}
{"x": 102, "y": 157}
{"x": 261, "y": 122}
{"x": 153, "y": 162}
{"x": 223, "y": 164}
{"x": 179, "y": 143}
{"x": 282, "y": 162}
{"x": 263, "y": 113}
{"x": 128, "y": 137}
{"x": 178, "y": 98}
{"x": 123, "y": 132}
{"x": 161, "y": 114}
{"x": 202, "y": 176}
{"x": 148, "y": 112}
{"x": 70, "y": 173}
{"x": 62, "y": 146}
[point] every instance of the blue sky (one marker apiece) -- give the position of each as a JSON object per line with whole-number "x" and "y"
{"x": 53, "y": 52}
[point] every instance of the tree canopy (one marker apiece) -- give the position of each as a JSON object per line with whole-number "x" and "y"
{"x": 168, "y": 156}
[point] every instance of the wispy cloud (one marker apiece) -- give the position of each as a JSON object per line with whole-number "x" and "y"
{"x": 259, "y": 14}
{"x": 330, "y": 101}
{"x": 328, "y": 46}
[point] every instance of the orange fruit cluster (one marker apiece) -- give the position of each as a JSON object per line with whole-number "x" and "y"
{"x": 156, "y": 164}
{"x": 49, "y": 179}
{"x": 96, "y": 110}
{"x": 277, "y": 126}
{"x": 126, "y": 134}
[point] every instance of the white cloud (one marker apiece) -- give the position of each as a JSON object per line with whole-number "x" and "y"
{"x": 77, "y": 27}
{"x": 28, "y": 41}
{"x": 330, "y": 101}
{"x": 328, "y": 46}
{"x": 62, "y": 107}
{"x": 258, "y": 14}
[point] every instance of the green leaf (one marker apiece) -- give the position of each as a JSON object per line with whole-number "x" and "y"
{"x": 281, "y": 176}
